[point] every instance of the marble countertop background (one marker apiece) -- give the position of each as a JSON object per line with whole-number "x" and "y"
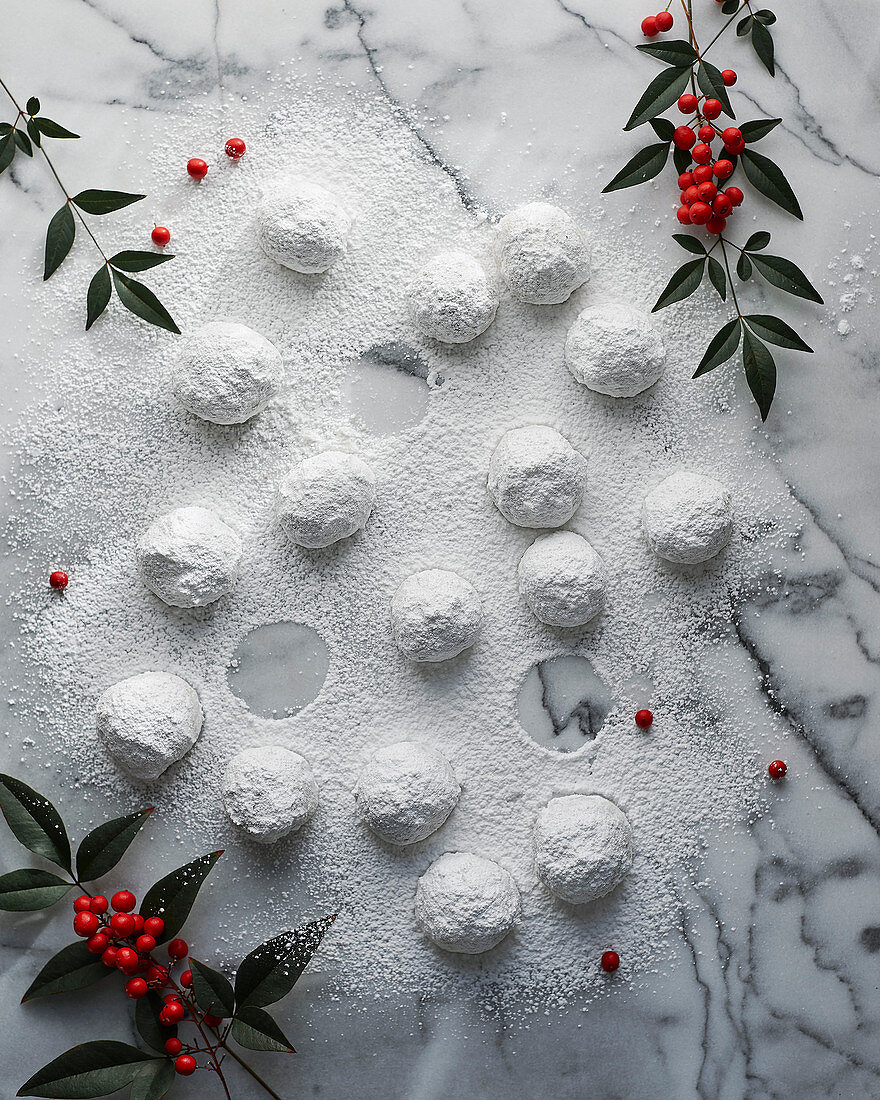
{"x": 780, "y": 996}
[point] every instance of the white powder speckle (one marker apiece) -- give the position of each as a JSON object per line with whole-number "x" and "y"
{"x": 406, "y": 791}
{"x": 189, "y": 557}
{"x": 615, "y": 349}
{"x": 269, "y": 792}
{"x": 466, "y": 903}
{"x": 583, "y": 847}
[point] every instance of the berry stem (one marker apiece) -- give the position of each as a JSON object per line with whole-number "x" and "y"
{"x": 735, "y": 15}
{"x": 729, "y": 276}
{"x": 252, "y": 1072}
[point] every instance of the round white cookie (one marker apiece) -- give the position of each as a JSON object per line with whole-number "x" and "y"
{"x": 542, "y": 254}
{"x": 301, "y": 225}
{"x": 189, "y": 557}
{"x": 583, "y": 847}
{"x": 466, "y": 903}
{"x": 435, "y": 615}
{"x": 406, "y": 791}
{"x": 269, "y": 792}
{"x": 452, "y": 298}
{"x": 148, "y": 722}
{"x": 562, "y": 579}
{"x": 615, "y": 349}
{"x": 325, "y": 498}
{"x": 536, "y": 477}
{"x": 687, "y": 518}
{"x": 226, "y": 373}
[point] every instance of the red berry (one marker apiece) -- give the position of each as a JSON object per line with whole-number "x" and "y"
{"x": 684, "y": 137}
{"x": 649, "y": 26}
{"x": 82, "y": 905}
{"x": 701, "y": 212}
{"x": 160, "y": 236}
{"x": 707, "y": 192}
{"x": 178, "y": 949}
{"x": 687, "y": 103}
{"x": 776, "y": 769}
{"x": 109, "y": 956}
{"x": 235, "y": 148}
{"x": 716, "y": 224}
{"x": 173, "y": 1046}
{"x": 136, "y": 988}
{"x": 731, "y": 135}
{"x": 212, "y": 1021}
{"x": 197, "y": 168}
{"x": 664, "y": 21}
{"x": 99, "y": 905}
{"x": 144, "y": 944}
{"x": 735, "y": 195}
{"x": 123, "y": 901}
{"x": 644, "y": 718}
{"x": 729, "y": 77}
{"x": 169, "y": 997}
{"x": 98, "y": 943}
{"x": 58, "y": 579}
{"x": 154, "y": 926}
{"x": 122, "y": 924}
{"x": 610, "y": 961}
{"x": 684, "y": 215}
{"x": 702, "y": 154}
{"x": 185, "y": 1065}
{"x": 723, "y": 169}
{"x": 685, "y": 180}
{"x": 138, "y": 923}
{"x": 702, "y": 173}
{"x": 86, "y": 924}
{"x": 126, "y": 959}
{"x": 722, "y": 206}
{"x": 706, "y": 133}
{"x": 712, "y": 108}
{"x": 173, "y": 1011}
{"x": 186, "y": 979}
{"x": 736, "y": 149}
{"x": 691, "y": 195}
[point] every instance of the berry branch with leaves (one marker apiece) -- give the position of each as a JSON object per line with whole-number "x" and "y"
{"x": 117, "y": 936}
{"x": 707, "y": 198}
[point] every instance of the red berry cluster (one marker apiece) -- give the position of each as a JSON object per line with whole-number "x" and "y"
{"x": 126, "y": 940}
{"x": 653, "y": 24}
{"x": 703, "y": 202}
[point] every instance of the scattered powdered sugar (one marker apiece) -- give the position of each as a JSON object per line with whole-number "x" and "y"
{"x": 466, "y": 903}
{"x": 562, "y": 579}
{"x": 615, "y": 349}
{"x": 325, "y": 498}
{"x": 452, "y": 299}
{"x": 687, "y": 517}
{"x": 536, "y": 477}
{"x": 542, "y": 254}
{"x": 435, "y": 615}
{"x": 583, "y": 847}
{"x": 302, "y": 226}
{"x": 269, "y": 792}
{"x": 189, "y": 557}
{"x": 406, "y": 791}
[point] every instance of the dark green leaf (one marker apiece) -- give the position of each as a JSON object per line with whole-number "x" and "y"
{"x": 646, "y": 164}
{"x": 677, "y": 52}
{"x": 29, "y": 889}
{"x": 104, "y": 846}
{"x": 787, "y": 276}
{"x": 717, "y": 278}
{"x": 689, "y": 243}
{"x": 775, "y": 331}
{"x": 721, "y": 347}
{"x": 681, "y": 158}
{"x": 5, "y": 128}
{"x": 730, "y": 7}
{"x": 139, "y": 261}
{"x": 682, "y": 284}
{"x": 33, "y": 131}
{"x": 744, "y": 26}
{"x": 7, "y": 150}
{"x": 271, "y": 970}
{"x": 24, "y": 143}
{"x": 758, "y": 128}
{"x": 100, "y": 289}
{"x": 146, "y": 1019}
{"x": 59, "y": 240}
{"x": 765, "y": 16}
{"x": 212, "y": 990}
{"x": 51, "y": 129}
{"x": 34, "y": 821}
{"x": 744, "y": 267}
{"x": 660, "y": 94}
{"x": 663, "y": 128}
{"x": 712, "y": 83}
{"x": 172, "y": 897}
{"x": 762, "y": 40}
{"x": 87, "y": 1070}
{"x": 255, "y": 1029}
{"x": 33, "y": 106}
{"x": 756, "y": 242}
{"x": 760, "y": 372}
{"x": 74, "y": 967}
{"x": 153, "y": 1081}
{"x": 140, "y": 300}
{"x": 767, "y": 177}
{"x": 93, "y": 201}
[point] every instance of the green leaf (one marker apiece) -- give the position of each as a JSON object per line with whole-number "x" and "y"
{"x": 100, "y": 290}
{"x": 87, "y": 1070}
{"x": 756, "y": 242}
{"x": 153, "y": 1081}
{"x": 712, "y": 83}
{"x": 105, "y": 845}
{"x": 59, "y": 240}
{"x": 255, "y": 1029}
{"x": 762, "y": 40}
{"x": 51, "y": 129}
{"x": 677, "y": 52}
{"x": 212, "y": 990}
{"x": 34, "y": 821}
{"x": 30, "y": 888}
{"x": 767, "y": 177}
{"x": 765, "y": 16}
{"x": 744, "y": 267}
{"x": 23, "y": 142}
{"x": 787, "y": 276}
{"x": 5, "y": 128}
{"x": 32, "y": 106}
{"x": 7, "y": 151}
{"x": 33, "y": 131}
{"x": 663, "y": 128}
{"x": 758, "y": 128}
{"x": 681, "y": 158}
{"x": 721, "y": 347}
{"x": 271, "y": 970}
{"x": 172, "y": 897}
{"x": 744, "y": 26}
{"x": 689, "y": 243}
{"x": 682, "y": 284}
{"x": 139, "y": 261}
{"x": 140, "y": 300}
{"x": 717, "y": 278}
{"x": 646, "y": 164}
{"x": 74, "y": 967}
{"x": 775, "y": 331}
{"x": 730, "y": 7}
{"x": 660, "y": 94}
{"x": 93, "y": 201}
{"x": 760, "y": 372}
{"x": 146, "y": 1019}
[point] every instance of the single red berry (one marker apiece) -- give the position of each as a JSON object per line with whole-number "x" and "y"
{"x": 138, "y": 923}
{"x": 736, "y": 149}
{"x": 82, "y": 905}
{"x": 731, "y": 135}
{"x": 160, "y": 236}
{"x": 687, "y": 103}
{"x": 235, "y": 148}
{"x": 98, "y": 943}
{"x": 729, "y": 77}
{"x": 178, "y": 949}
{"x": 186, "y": 979}
{"x": 58, "y": 580}
{"x": 136, "y": 988}
{"x": 644, "y": 718}
{"x": 156, "y": 975}
{"x": 664, "y": 21}
{"x": 701, "y": 212}
{"x": 610, "y": 961}
{"x": 776, "y": 769}
{"x": 154, "y": 926}
{"x": 212, "y": 1021}
{"x": 722, "y": 206}
{"x": 109, "y": 956}
{"x": 723, "y": 169}
{"x": 144, "y": 944}
{"x": 685, "y": 180}
{"x": 712, "y": 108}
{"x": 702, "y": 173}
{"x": 735, "y": 195}
{"x": 122, "y": 924}
{"x": 86, "y": 924}
{"x": 683, "y": 137}
{"x": 197, "y": 168}
{"x": 684, "y": 215}
{"x": 123, "y": 901}
{"x": 691, "y": 195}
{"x": 706, "y": 133}
{"x": 99, "y": 905}
{"x": 649, "y": 26}
{"x": 169, "y": 997}
{"x": 185, "y": 1065}
{"x": 707, "y": 192}
{"x": 716, "y": 224}
{"x": 173, "y": 1011}
{"x": 702, "y": 154}
{"x": 126, "y": 959}
{"x": 173, "y": 1046}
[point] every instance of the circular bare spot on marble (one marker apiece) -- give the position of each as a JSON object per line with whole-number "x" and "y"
{"x": 278, "y": 669}
{"x": 563, "y": 703}
{"x": 386, "y": 389}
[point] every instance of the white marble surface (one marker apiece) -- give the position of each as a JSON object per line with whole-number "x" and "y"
{"x": 778, "y": 994}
